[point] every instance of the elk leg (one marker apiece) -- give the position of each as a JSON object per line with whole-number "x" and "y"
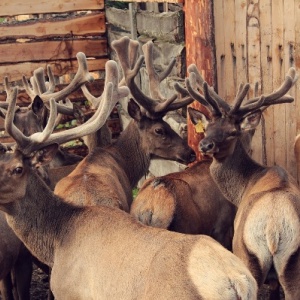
{"x": 23, "y": 274}
{"x": 6, "y": 290}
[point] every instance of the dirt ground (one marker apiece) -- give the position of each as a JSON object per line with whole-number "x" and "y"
{"x": 39, "y": 285}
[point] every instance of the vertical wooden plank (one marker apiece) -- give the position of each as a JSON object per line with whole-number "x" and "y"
{"x": 229, "y": 62}
{"x": 199, "y": 29}
{"x": 289, "y": 49}
{"x": 265, "y": 9}
{"x": 241, "y": 42}
{"x": 278, "y": 76}
{"x": 297, "y": 65}
{"x": 220, "y": 46}
{"x": 254, "y": 75}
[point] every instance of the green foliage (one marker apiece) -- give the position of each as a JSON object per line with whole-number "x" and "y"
{"x": 135, "y": 192}
{"x": 117, "y": 4}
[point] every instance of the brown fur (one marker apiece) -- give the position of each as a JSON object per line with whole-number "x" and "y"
{"x": 106, "y": 254}
{"x": 267, "y": 223}
{"x": 198, "y": 206}
{"x": 108, "y": 175}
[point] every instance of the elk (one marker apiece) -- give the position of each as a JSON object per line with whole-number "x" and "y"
{"x": 189, "y": 202}
{"x": 107, "y": 175}
{"x": 267, "y": 224}
{"x": 11, "y": 250}
{"x": 105, "y": 252}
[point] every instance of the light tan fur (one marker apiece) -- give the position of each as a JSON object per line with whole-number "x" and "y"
{"x": 106, "y": 254}
{"x": 267, "y": 224}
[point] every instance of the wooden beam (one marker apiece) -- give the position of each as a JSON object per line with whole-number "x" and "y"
{"x": 160, "y": 1}
{"x": 200, "y": 50}
{"x": 28, "y": 7}
{"x": 51, "y": 50}
{"x": 92, "y": 24}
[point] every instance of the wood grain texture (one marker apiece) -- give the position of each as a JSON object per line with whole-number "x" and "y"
{"x": 21, "y": 7}
{"x": 92, "y": 24}
{"x": 200, "y": 51}
{"x": 51, "y": 50}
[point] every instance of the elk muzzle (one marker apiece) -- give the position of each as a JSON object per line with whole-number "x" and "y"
{"x": 207, "y": 146}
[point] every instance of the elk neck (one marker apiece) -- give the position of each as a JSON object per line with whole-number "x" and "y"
{"x": 40, "y": 221}
{"x": 135, "y": 158}
{"x": 234, "y": 173}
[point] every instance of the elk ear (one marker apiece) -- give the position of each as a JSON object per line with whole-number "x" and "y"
{"x": 37, "y": 105}
{"x": 44, "y": 156}
{"x": 251, "y": 121}
{"x": 3, "y": 112}
{"x": 197, "y": 116}
{"x": 134, "y": 110}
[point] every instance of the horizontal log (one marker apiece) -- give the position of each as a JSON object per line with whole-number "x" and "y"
{"x": 51, "y": 50}
{"x": 160, "y": 1}
{"x": 28, "y": 7}
{"x": 92, "y": 24}
{"x": 14, "y": 72}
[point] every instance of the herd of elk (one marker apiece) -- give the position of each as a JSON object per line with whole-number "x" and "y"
{"x": 105, "y": 253}
{"x": 267, "y": 224}
{"x": 107, "y": 175}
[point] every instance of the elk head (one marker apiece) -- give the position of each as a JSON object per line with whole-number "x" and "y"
{"x": 225, "y": 123}
{"x": 162, "y": 140}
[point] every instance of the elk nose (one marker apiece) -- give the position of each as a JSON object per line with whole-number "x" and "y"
{"x": 206, "y": 145}
{"x": 192, "y": 157}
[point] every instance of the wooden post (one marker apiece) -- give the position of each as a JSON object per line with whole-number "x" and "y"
{"x": 200, "y": 50}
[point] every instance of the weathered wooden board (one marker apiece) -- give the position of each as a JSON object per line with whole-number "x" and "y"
{"x": 199, "y": 51}
{"x": 92, "y": 24}
{"x": 52, "y": 50}
{"x": 21, "y": 7}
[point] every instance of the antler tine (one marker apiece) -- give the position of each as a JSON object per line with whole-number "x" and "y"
{"x": 51, "y": 83}
{"x": 154, "y": 78}
{"x": 124, "y": 48}
{"x": 82, "y": 76}
{"x": 221, "y": 103}
{"x": 241, "y": 94}
{"x": 277, "y": 97}
{"x": 111, "y": 75}
{"x": 4, "y": 105}
{"x": 190, "y": 83}
{"x": 118, "y": 92}
{"x": 39, "y": 78}
{"x": 126, "y": 51}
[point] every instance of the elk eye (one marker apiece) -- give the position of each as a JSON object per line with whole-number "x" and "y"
{"x": 159, "y": 131}
{"x": 18, "y": 170}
